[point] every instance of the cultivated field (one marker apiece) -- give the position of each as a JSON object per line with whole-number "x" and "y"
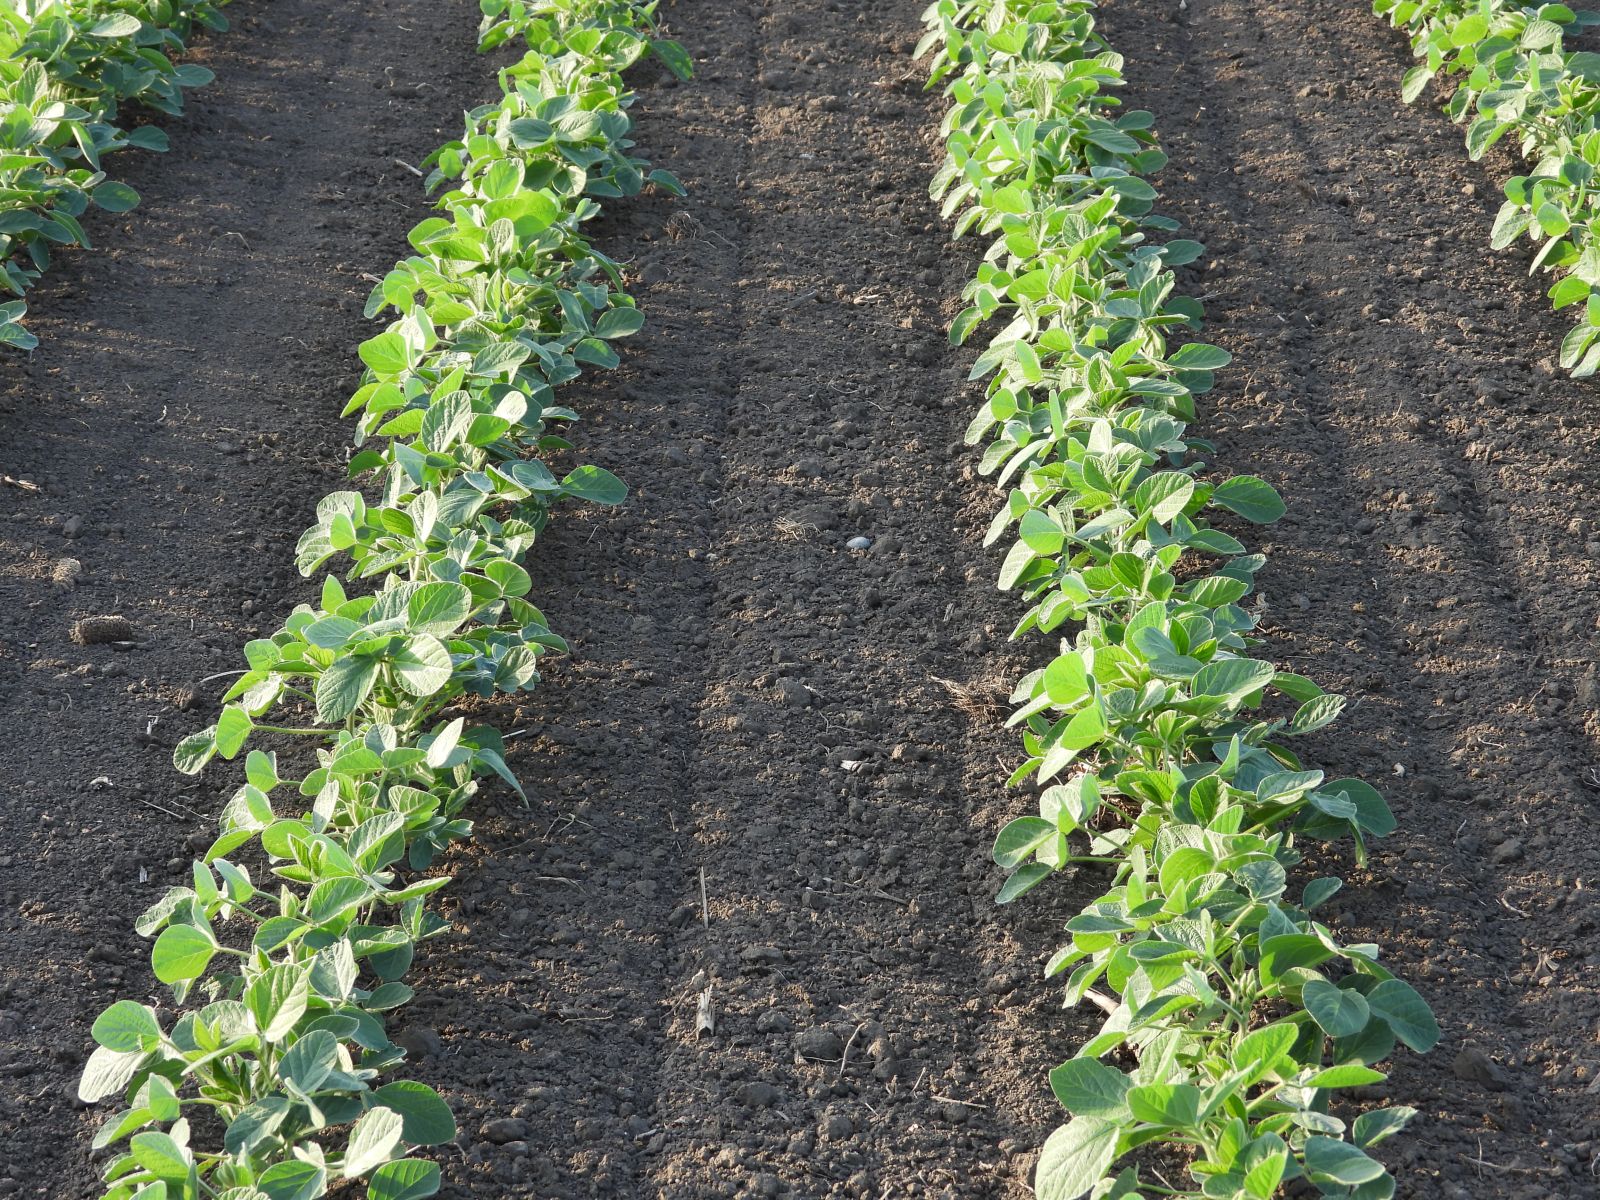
{"x": 712, "y": 911}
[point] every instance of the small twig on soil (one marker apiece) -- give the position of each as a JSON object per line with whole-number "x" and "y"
{"x": 400, "y": 162}
{"x": 222, "y": 675}
{"x": 876, "y": 892}
{"x": 24, "y": 484}
{"x": 953, "y": 1100}
{"x": 1482, "y": 1162}
{"x": 163, "y": 808}
{"x": 705, "y": 908}
{"x": 844, "y": 1059}
{"x": 1509, "y": 907}
{"x": 558, "y": 879}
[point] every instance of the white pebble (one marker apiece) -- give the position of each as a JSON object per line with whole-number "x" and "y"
{"x": 859, "y": 543}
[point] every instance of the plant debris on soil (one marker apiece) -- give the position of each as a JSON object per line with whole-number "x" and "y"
{"x": 742, "y": 941}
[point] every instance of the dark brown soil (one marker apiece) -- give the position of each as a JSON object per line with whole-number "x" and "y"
{"x": 813, "y": 728}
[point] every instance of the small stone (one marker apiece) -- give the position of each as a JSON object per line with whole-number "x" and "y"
{"x": 501, "y": 1130}
{"x": 794, "y": 693}
{"x": 859, "y": 543}
{"x": 820, "y": 1042}
{"x": 72, "y": 527}
{"x": 837, "y": 1127}
{"x": 1475, "y": 1066}
{"x": 757, "y": 1095}
{"x": 1508, "y": 851}
{"x": 418, "y": 1041}
{"x": 766, "y": 1185}
{"x": 774, "y": 1020}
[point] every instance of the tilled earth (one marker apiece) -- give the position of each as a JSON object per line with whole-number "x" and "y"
{"x": 765, "y": 781}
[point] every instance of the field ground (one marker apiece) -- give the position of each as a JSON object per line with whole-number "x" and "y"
{"x": 814, "y": 727}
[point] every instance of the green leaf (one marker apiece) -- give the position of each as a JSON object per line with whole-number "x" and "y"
{"x": 373, "y": 1141}
{"x": 1338, "y": 1011}
{"x": 596, "y": 485}
{"x": 126, "y": 1026}
{"x": 1272, "y": 1159}
{"x": 332, "y": 898}
{"x": 427, "y": 1118}
{"x": 277, "y": 999}
{"x": 1260, "y": 1052}
{"x": 1075, "y": 1158}
{"x": 116, "y": 25}
{"x": 159, "y": 1154}
{"x": 107, "y": 1072}
{"x": 195, "y": 751}
{"x": 1234, "y": 678}
{"x": 182, "y": 952}
{"x": 233, "y": 729}
{"x": 1087, "y": 1087}
{"x": 1329, "y": 1160}
{"x": 115, "y": 197}
{"x": 1176, "y": 1105}
{"x": 674, "y": 56}
{"x": 1372, "y": 1127}
{"x": 1414, "y": 82}
{"x": 1346, "y": 1075}
{"x": 256, "y": 1123}
{"x": 343, "y": 686}
{"x": 1197, "y": 356}
{"x": 293, "y": 1181}
{"x": 1022, "y": 880}
{"x": 422, "y": 665}
{"x": 1066, "y": 679}
{"x": 1314, "y": 714}
{"x": 1087, "y": 727}
{"x": 1020, "y": 838}
{"x": 619, "y": 322}
{"x": 387, "y": 354}
{"x": 1252, "y": 497}
{"x": 261, "y": 770}
{"x": 438, "y": 608}
{"x": 406, "y": 1179}
{"x": 309, "y": 1061}
{"x": 1371, "y": 812}
{"x": 1406, "y": 1012}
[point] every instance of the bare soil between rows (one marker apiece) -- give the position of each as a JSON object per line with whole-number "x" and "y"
{"x": 811, "y": 730}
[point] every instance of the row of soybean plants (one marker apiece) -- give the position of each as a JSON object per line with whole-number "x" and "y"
{"x": 1233, "y": 1016}
{"x": 282, "y": 977}
{"x": 1514, "y": 78}
{"x": 66, "y": 69}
